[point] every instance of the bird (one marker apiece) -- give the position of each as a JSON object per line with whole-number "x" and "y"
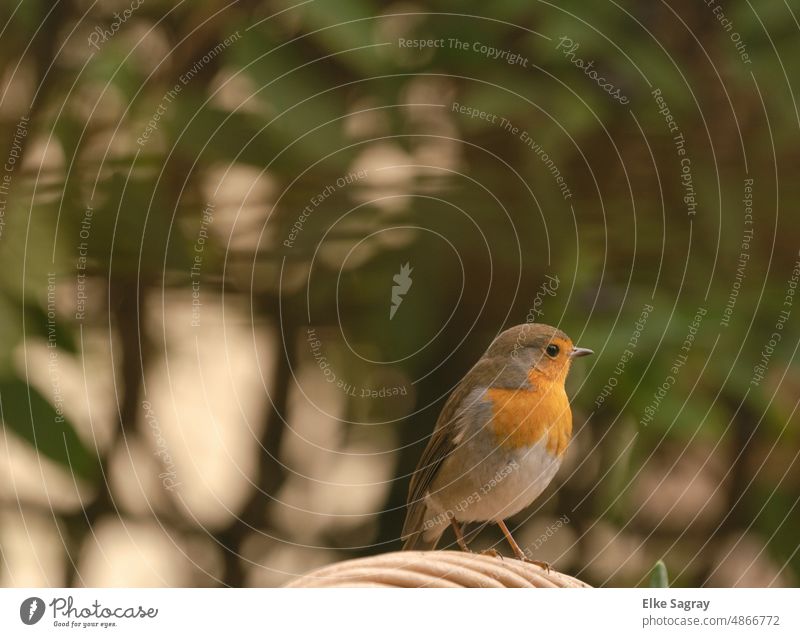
{"x": 498, "y": 441}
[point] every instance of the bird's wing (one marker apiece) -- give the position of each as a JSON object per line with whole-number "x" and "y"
{"x": 442, "y": 443}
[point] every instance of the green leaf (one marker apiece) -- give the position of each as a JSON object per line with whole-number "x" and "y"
{"x": 36, "y": 324}
{"x": 28, "y": 414}
{"x": 658, "y": 576}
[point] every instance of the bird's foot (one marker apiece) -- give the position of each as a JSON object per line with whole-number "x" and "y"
{"x": 492, "y": 553}
{"x": 544, "y": 565}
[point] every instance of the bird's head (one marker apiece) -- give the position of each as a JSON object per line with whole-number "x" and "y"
{"x": 543, "y": 349}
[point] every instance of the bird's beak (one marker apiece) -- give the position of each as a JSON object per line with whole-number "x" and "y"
{"x": 580, "y": 351}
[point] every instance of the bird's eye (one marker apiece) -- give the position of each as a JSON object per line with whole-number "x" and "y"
{"x": 552, "y": 350}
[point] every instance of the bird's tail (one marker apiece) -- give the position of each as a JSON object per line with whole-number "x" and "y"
{"x": 421, "y": 541}
{"x": 418, "y": 535}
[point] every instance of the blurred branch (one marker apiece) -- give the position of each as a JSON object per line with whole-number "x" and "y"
{"x": 168, "y": 521}
{"x": 127, "y": 309}
{"x": 269, "y": 474}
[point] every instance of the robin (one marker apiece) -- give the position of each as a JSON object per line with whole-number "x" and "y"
{"x": 499, "y": 440}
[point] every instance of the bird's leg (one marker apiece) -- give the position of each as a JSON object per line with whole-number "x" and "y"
{"x": 516, "y": 548}
{"x": 459, "y": 536}
{"x": 463, "y": 544}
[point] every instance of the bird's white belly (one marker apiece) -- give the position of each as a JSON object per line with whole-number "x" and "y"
{"x": 495, "y": 490}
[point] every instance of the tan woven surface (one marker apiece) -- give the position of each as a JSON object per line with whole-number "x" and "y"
{"x": 436, "y": 569}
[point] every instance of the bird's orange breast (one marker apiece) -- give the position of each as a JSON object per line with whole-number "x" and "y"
{"x": 521, "y": 418}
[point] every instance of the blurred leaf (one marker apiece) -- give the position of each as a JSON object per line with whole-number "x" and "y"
{"x": 658, "y": 576}
{"x": 342, "y": 26}
{"x": 26, "y": 412}
{"x": 36, "y": 324}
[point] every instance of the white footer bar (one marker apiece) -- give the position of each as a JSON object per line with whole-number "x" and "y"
{"x": 406, "y": 613}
